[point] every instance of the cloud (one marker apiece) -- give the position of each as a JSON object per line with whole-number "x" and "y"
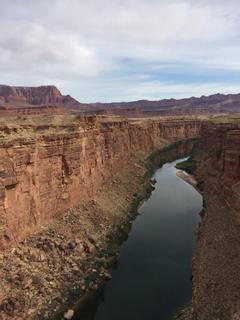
{"x": 119, "y": 49}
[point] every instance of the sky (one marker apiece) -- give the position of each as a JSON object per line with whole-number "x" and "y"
{"x": 122, "y": 50}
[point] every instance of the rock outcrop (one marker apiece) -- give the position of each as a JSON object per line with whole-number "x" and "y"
{"x": 29, "y": 97}
{"x": 216, "y": 279}
{"x": 52, "y": 164}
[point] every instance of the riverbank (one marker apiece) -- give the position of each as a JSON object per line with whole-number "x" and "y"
{"x": 215, "y": 265}
{"x": 187, "y": 178}
{"x": 69, "y": 259}
{"x": 155, "y": 259}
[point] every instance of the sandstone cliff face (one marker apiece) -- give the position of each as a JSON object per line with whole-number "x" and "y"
{"x": 219, "y": 152}
{"x": 45, "y": 170}
{"x": 28, "y": 97}
{"x": 216, "y": 280}
{"x": 31, "y": 95}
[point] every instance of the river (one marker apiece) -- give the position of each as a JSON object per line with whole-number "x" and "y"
{"x": 153, "y": 275}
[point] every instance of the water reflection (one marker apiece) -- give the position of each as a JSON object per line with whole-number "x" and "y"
{"x": 154, "y": 269}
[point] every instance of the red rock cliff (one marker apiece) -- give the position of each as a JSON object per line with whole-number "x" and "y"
{"x": 47, "y": 167}
{"x": 216, "y": 280}
{"x": 28, "y": 97}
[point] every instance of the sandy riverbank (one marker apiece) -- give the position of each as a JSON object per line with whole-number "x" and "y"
{"x": 188, "y": 178}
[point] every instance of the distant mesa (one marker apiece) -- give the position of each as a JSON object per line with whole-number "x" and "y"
{"x": 35, "y": 99}
{"x": 48, "y": 99}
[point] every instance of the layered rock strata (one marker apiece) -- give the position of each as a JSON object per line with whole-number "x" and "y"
{"x": 77, "y": 181}
{"x": 51, "y": 164}
{"x": 29, "y": 97}
{"x": 216, "y": 277}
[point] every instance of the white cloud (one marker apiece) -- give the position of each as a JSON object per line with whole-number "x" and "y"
{"x": 92, "y": 48}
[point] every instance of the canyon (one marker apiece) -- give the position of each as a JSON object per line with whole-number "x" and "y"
{"x": 71, "y": 183}
{"x": 68, "y": 183}
{"x": 119, "y": 160}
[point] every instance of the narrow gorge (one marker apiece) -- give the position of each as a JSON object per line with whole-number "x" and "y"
{"x": 70, "y": 188}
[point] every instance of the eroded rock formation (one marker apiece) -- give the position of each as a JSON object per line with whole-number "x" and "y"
{"x": 216, "y": 279}
{"x": 46, "y": 168}
{"x": 29, "y": 97}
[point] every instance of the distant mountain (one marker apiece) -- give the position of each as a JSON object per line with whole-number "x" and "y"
{"x": 22, "y": 97}
{"x": 17, "y": 98}
{"x": 193, "y": 105}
